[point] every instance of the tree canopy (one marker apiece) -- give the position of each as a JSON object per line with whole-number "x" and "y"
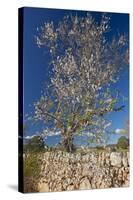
{"x": 84, "y": 64}
{"x": 35, "y": 144}
{"x": 123, "y": 143}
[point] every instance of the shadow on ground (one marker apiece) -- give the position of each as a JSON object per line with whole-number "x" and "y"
{"x": 13, "y": 187}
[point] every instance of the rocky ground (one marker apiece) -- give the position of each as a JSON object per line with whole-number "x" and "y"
{"x": 61, "y": 171}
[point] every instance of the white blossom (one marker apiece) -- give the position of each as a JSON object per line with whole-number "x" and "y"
{"x": 84, "y": 65}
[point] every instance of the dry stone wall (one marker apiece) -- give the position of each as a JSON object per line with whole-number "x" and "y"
{"x": 62, "y": 171}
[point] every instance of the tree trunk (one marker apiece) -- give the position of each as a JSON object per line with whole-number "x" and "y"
{"x": 68, "y": 145}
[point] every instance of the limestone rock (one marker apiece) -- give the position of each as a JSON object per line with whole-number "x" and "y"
{"x": 85, "y": 169}
{"x": 85, "y": 184}
{"x": 65, "y": 171}
{"x": 128, "y": 158}
{"x": 125, "y": 161}
{"x": 70, "y": 187}
{"x": 116, "y": 159}
{"x": 43, "y": 187}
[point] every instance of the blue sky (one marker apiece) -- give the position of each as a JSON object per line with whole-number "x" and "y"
{"x": 36, "y": 61}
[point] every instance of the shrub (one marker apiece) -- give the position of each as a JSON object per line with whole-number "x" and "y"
{"x": 32, "y": 167}
{"x": 35, "y": 144}
{"x": 123, "y": 143}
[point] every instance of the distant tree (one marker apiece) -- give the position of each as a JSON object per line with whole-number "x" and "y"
{"x": 35, "y": 144}
{"x": 123, "y": 143}
{"x": 83, "y": 66}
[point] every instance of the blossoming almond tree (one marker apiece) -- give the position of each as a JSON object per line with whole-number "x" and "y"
{"x": 83, "y": 66}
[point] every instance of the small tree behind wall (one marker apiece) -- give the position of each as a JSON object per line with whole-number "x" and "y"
{"x": 83, "y": 66}
{"x": 123, "y": 143}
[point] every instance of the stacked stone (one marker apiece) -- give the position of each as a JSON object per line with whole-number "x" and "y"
{"x": 62, "y": 171}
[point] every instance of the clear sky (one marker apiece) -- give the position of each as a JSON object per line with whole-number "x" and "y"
{"x": 36, "y": 61}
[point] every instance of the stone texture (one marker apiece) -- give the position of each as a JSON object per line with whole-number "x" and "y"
{"x": 85, "y": 184}
{"x": 30, "y": 185}
{"x": 43, "y": 187}
{"x": 116, "y": 159}
{"x": 70, "y": 187}
{"x": 63, "y": 171}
